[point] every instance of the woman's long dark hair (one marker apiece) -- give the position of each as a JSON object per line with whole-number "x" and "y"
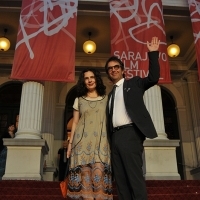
{"x": 81, "y": 87}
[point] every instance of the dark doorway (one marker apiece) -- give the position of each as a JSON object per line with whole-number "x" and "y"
{"x": 171, "y": 125}
{"x": 10, "y": 96}
{"x": 69, "y": 102}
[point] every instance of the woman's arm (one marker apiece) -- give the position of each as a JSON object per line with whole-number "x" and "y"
{"x": 76, "y": 116}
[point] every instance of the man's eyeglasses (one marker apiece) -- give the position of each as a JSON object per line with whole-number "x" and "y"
{"x": 115, "y": 67}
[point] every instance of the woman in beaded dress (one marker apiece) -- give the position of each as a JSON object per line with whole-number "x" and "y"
{"x": 90, "y": 168}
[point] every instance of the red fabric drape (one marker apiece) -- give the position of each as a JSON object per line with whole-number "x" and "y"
{"x": 45, "y": 48}
{"x": 195, "y": 18}
{"x": 133, "y": 23}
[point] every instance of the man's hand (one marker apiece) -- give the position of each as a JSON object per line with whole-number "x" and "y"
{"x": 154, "y": 45}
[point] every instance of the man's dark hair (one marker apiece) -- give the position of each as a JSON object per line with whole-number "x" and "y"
{"x": 81, "y": 87}
{"x": 116, "y": 59}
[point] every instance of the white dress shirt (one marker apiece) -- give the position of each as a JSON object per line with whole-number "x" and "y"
{"x": 120, "y": 116}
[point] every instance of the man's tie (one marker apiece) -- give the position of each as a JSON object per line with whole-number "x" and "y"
{"x": 112, "y": 105}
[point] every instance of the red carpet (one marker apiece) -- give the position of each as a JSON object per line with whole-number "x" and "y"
{"x": 43, "y": 190}
{"x": 173, "y": 190}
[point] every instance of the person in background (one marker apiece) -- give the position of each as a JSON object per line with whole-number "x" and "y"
{"x": 10, "y": 133}
{"x": 129, "y": 123}
{"x": 90, "y": 169}
{"x": 17, "y": 121}
{"x": 62, "y": 160}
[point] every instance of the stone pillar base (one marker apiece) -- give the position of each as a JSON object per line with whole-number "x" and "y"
{"x": 25, "y": 159}
{"x": 195, "y": 173}
{"x": 49, "y": 174}
{"x": 160, "y": 160}
{"x": 162, "y": 176}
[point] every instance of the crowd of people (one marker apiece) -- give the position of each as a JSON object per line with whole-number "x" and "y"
{"x": 108, "y": 132}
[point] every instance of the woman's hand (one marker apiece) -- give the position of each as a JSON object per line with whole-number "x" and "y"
{"x": 69, "y": 150}
{"x": 154, "y": 45}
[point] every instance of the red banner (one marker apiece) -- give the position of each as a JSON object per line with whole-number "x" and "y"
{"x": 45, "y": 48}
{"x": 195, "y": 18}
{"x": 133, "y": 23}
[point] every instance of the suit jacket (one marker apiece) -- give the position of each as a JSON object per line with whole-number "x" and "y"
{"x": 133, "y": 91}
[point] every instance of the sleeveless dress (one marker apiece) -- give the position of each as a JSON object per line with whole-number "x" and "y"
{"x": 90, "y": 169}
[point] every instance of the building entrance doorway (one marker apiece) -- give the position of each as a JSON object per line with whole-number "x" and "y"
{"x": 10, "y": 96}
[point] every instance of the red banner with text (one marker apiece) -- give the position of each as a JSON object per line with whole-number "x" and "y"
{"x": 195, "y": 19}
{"x": 45, "y": 48}
{"x": 133, "y": 23}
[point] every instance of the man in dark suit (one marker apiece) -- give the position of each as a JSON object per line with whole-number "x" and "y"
{"x": 130, "y": 124}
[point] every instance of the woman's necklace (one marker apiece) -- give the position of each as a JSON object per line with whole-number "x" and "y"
{"x": 92, "y": 104}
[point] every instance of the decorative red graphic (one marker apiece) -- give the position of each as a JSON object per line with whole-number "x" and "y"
{"x": 195, "y": 18}
{"x": 133, "y": 23}
{"x": 45, "y": 48}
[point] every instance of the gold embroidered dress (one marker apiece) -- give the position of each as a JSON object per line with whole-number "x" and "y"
{"x": 90, "y": 170}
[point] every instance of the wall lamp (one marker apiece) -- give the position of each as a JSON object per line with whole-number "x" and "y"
{"x": 4, "y": 42}
{"x": 173, "y": 50}
{"x": 89, "y": 46}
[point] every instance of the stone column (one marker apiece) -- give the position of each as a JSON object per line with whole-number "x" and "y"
{"x": 194, "y": 99}
{"x": 188, "y": 144}
{"x": 159, "y": 153}
{"x": 49, "y": 107}
{"x": 50, "y": 141}
{"x": 48, "y": 120}
{"x": 30, "y": 115}
{"x": 153, "y": 102}
{"x": 25, "y": 156}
